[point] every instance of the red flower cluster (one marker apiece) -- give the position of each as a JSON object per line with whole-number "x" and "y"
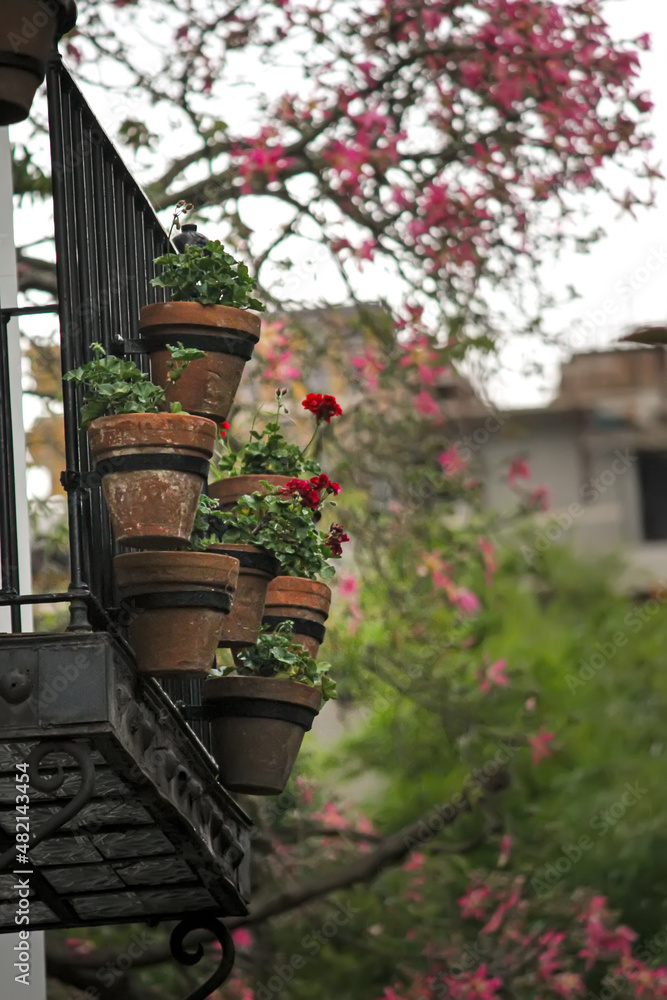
{"x": 224, "y": 427}
{"x": 322, "y": 482}
{"x": 324, "y": 407}
{"x": 335, "y": 539}
{"x": 309, "y": 491}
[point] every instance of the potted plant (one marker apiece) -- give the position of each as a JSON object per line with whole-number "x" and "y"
{"x": 278, "y": 523}
{"x": 267, "y": 456}
{"x": 28, "y": 31}
{"x": 297, "y": 595}
{"x": 153, "y": 464}
{"x": 260, "y": 709}
{"x": 211, "y": 296}
{"x": 175, "y": 604}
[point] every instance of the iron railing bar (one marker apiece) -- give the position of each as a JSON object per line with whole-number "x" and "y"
{"x": 66, "y": 258}
{"x": 9, "y": 548}
{"x": 116, "y": 294}
{"x": 30, "y": 310}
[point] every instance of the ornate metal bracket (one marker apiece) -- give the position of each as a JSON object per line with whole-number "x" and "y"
{"x": 51, "y": 783}
{"x": 192, "y": 957}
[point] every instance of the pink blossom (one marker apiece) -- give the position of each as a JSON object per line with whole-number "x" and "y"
{"x": 539, "y": 744}
{"x": 369, "y": 367}
{"x": 497, "y": 918}
{"x": 475, "y": 984}
{"x": 415, "y": 862}
{"x": 519, "y": 469}
{"x": 505, "y": 850}
{"x": 348, "y": 585}
{"x": 242, "y": 937}
{"x": 495, "y": 674}
{"x": 473, "y": 902}
{"x": 488, "y": 557}
{"x": 451, "y": 461}
{"x": 426, "y": 405}
{"x": 540, "y": 498}
{"x": 568, "y": 984}
{"x": 467, "y": 602}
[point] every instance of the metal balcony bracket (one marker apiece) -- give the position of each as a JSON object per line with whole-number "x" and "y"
{"x": 52, "y": 783}
{"x": 192, "y": 957}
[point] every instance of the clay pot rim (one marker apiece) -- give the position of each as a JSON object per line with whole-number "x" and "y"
{"x": 263, "y": 689}
{"x": 168, "y": 557}
{"x": 253, "y": 553}
{"x": 258, "y": 476}
{"x": 241, "y": 321}
{"x": 143, "y": 572}
{"x": 154, "y": 417}
{"x": 312, "y": 585}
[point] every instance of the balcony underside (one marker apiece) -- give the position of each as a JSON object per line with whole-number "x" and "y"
{"x": 154, "y": 836}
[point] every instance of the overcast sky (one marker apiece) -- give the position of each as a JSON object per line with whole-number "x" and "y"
{"x": 623, "y": 280}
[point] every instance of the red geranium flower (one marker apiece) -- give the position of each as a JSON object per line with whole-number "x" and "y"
{"x": 308, "y": 495}
{"x": 335, "y": 539}
{"x": 224, "y": 427}
{"x": 322, "y": 482}
{"x": 324, "y": 407}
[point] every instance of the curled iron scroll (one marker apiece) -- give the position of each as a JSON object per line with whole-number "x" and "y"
{"x": 195, "y": 954}
{"x": 51, "y": 783}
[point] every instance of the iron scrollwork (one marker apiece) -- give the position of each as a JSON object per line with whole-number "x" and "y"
{"x": 193, "y": 955}
{"x": 53, "y": 782}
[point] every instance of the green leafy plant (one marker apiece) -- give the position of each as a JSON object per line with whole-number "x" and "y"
{"x": 208, "y": 275}
{"x": 268, "y": 452}
{"x": 113, "y": 385}
{"x": 278, "y": 522}
{"x": 207, "y": 517}
{"x": 276, "y": 655}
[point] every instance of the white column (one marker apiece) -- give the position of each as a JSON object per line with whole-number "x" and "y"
{"x": 9, "y": 988}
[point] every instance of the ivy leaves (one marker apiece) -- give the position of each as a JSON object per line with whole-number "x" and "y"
{"x": 208, "y": 275}
{"x": 275, "y": 655}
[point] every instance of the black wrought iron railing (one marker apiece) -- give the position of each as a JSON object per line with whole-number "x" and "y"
{"x": 107, "y": 235}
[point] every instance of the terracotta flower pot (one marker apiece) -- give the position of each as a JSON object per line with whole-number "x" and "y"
{"x": 175, "y": 604}
{"x": 28, "y": 30}
{"x": 257, "y": 569}
{"x": 228, "y": 491}
{"x": 153, "y": 467}
{"x": 305, "y": 602}
{"x": 227, "y": 336}
{"x": 257, "y": 727}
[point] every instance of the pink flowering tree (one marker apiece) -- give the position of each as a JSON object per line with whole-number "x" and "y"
{"x": 433, "y": 149}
